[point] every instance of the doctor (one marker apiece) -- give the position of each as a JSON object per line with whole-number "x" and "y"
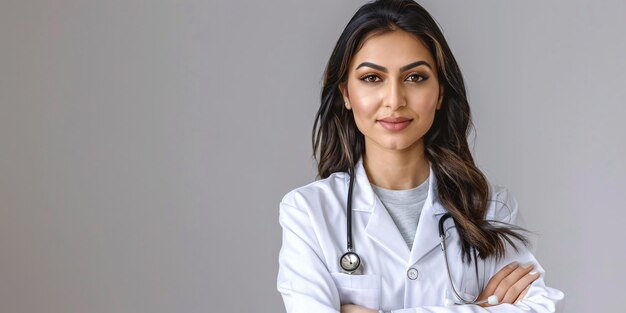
{"x": 393, "y": 123}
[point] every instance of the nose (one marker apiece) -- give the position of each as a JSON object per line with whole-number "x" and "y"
{"x": 394, "y": 95}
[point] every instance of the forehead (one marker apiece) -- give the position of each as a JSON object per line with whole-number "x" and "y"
{"x": 392, "y": 50}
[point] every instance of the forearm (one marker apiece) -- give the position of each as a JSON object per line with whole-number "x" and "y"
{"x": 539, "y": 299}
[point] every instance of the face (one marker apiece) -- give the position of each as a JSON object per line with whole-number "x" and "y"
{"x": 393, "y": 91}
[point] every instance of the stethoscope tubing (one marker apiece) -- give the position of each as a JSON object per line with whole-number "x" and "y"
{"x": 443, "y": 237}
{"x": 349, "y": 212}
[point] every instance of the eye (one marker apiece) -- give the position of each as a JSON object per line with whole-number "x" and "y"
{"x": 368, "y": 78}
{"x": 418, "y": 77}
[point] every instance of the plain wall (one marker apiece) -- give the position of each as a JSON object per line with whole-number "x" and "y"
{"x": 546, "y": 83}
{"x": 145, "y": 145}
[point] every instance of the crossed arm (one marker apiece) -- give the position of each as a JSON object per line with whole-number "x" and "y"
{"x": 510, "y": 285}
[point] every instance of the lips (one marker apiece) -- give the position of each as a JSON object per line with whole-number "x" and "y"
{"x": 398, "y": 119}
{"x": 395, "y": 123}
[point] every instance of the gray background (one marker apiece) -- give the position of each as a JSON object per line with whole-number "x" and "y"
{"x": 145, "y": 145}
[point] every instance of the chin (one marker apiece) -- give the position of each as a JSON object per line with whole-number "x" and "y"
{"x": 397, "y": 145}
{"x": 404, "y": 145}
{"x": 394, "y": 141}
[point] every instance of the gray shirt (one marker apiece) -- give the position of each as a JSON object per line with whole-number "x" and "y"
{"x": 405, "y": 207}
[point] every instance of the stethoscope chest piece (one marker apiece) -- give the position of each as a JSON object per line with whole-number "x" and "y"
{"x": 350, "y": 262}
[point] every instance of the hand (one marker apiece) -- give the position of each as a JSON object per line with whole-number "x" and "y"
{"x": 353, "y": 308}
{"x": 510, "y": 284}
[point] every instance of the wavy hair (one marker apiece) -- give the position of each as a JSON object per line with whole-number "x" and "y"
{"x": 338, "y": 144}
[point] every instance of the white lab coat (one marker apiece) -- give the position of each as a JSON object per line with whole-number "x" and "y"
{"x": 310, "y": 279}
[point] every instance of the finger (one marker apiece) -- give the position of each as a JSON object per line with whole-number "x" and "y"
{"x": 514, "y": 291}
{"x": 496, "y": 279}
{"x": 523, "y": 294}
{"x": 353, "y": 308}
{"x": 344, "y": 309}
{"x": 510, "y": 281}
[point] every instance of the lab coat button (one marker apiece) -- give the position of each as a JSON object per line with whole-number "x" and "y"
{"x": 412, "y": 274}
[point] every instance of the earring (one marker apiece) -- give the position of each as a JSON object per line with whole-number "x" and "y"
{"x": 346, "y": 105}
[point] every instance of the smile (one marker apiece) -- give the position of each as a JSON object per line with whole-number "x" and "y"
{"x": 395, "y": 126}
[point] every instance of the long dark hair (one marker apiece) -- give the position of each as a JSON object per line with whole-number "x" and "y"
{"x": 462, "y": 187}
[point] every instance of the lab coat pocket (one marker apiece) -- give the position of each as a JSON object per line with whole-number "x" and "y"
{"x": 363, "y": 290}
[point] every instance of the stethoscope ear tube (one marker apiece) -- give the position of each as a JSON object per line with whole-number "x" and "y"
{"x": 441, "y": 221}
{"x": 349, "y": 209}
{"x": 350, "y": 261}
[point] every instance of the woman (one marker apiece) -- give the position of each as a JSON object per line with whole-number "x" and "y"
{"x": 393, "y": 160}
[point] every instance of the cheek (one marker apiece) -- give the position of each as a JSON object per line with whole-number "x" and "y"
{"x": 425, "y": 101}
{"x": 364, "y": 105}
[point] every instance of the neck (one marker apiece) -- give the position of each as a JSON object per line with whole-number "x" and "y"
{"x": 395, "y": 169}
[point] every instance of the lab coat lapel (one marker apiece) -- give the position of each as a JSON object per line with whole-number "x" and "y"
{"x": 427, "y": 233}
{"x": 380, "y": 227}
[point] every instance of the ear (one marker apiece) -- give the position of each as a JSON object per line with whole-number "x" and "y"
{"x": 344, "y": 93}
{"x": 440, "y": 100}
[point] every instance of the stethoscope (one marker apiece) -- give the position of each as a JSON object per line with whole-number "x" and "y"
{"x": 352, "y": 264}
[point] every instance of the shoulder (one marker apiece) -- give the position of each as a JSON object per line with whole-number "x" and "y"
{"x": 317, "y": 193}
{"x": 502, "y": 205}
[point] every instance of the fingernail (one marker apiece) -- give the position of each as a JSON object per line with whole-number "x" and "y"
{"x": 512, "y": 265}
{"x": 527, "y": 265}
{"x": 493, "y": 300}
{"x": 532, "y": 273}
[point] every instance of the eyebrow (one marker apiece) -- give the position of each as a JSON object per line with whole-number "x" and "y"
{"x": 402, "y": 69}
